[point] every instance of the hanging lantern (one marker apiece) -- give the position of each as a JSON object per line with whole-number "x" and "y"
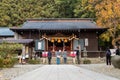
{"x": 52, "y": 40}
{"x": 59, "y": 41}
{"x": 65, "y": 40}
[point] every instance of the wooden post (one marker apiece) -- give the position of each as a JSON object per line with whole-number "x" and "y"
{"x": 79, "y": 46}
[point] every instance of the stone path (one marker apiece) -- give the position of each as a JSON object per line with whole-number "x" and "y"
{"x": 63, "y": 72}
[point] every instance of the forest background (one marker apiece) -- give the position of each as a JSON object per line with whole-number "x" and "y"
{"x": 106, "y": 13}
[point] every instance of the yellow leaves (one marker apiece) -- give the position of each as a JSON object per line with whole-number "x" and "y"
{"x": 119, "y": 26}
{"x": 91, "y": 1}
{"x": 105, "y": 36}
{"x": 108, "y": 15}
{"x": 118, "y": 0}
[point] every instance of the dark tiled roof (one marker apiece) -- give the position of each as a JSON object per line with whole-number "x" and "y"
{"x": 56, "y": 25}
{"x": 5, "y": 31}
{"x": 23, "y": 41}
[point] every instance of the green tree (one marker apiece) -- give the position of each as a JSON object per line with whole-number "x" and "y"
{"x": 65, "y": 8}
{"x": 15, "y": 12}
{"x": 85, "y": 9}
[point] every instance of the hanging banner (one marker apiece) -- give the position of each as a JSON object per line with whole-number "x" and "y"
{"x": 86, "y": 41}
{"x": 39, "y": 45}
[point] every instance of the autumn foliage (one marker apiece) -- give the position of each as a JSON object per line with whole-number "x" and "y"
{"x": 108, "y": 15}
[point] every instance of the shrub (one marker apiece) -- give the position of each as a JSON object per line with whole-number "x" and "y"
{"x": 30, "y": 61}
{"x": 7, "y": 49}
{"x": 7, "y": 63}
{"x": 15, "y": 60}
{"x": 6, "y": 54}
{"x": 86, "y": 61}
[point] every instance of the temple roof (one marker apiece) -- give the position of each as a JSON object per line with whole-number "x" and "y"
{"x": 5, "y": 31}
{"x": 59, "y": 24}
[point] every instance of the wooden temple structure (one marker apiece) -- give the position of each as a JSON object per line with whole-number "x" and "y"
{"x": 59, "y": 33}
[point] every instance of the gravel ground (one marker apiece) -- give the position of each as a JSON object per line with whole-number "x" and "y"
{"x": 9, "y": 73}
{"x": 103, "y": 68}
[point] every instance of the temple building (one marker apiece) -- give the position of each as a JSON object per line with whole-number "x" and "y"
{"x": 59, "y": 33}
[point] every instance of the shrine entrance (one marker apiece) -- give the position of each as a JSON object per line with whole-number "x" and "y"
{"x": 59, "y": 41}
{"x": 56, "y": 45}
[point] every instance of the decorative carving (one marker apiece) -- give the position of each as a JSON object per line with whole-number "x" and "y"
{"x": 58, "y": 37}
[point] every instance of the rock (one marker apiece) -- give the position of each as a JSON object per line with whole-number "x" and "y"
{"x": 116, "y": 61}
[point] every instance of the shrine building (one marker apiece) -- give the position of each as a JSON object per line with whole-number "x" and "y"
{"x": 59, "y": 33}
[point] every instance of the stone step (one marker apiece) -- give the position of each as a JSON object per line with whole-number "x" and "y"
{"x": 70, "y": 60}
{"x": 53, "y": 60}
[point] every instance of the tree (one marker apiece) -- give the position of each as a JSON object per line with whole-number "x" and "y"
{"x": 108, "y": 15}
{"x": 65, "y": 8}
{"x": 85, "y": 9}
{"x": 15, "y": 12}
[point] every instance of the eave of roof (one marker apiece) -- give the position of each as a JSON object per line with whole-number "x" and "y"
{"x": 5, "y": 31}
{"x": 15, "y": 28}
